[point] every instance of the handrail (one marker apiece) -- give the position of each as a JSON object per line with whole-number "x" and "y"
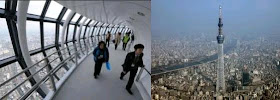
{"x": 147, "y": 71}
{"x": 49, "y": 74}
{"x": 28, "y": 77}
{"x": 24, "y": 70}
{"x": 60, "y": 64}
{"x": 140, "y": 73}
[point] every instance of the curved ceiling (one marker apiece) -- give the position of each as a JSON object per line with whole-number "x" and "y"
{"x": 123, "y": 12}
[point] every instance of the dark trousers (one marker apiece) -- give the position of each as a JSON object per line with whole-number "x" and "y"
{"x": 108, "y": 42}
{"x": 98, "y": 66}
{"x": 133, "y": 72}
{"x": 116, "y": 45}
{"x": 124, "y": 46}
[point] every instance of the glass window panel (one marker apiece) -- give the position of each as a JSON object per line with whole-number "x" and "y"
{"x": 82, "y": 32}
{"x": 56, "y": 62}
{"x": 6, "y": 47}
{"x": 54, "y": 10}
{"x": 120, "y": 29}
{"x": 109, "y": 30}
{"x": 33, "y": 35}
{"x": 66, "y": 14}
{"x": 87, "y": 21}
{"x": 104, "y": 29}
{"x": 35, "y": 95}
{"x": 101, "y": 31}
{"x": 96, "y": 32}
{"x": 8, "y": 72}
{"x": 76, "y": 17}
{"x": 60, "y": 32}
{"x": 49, "y": 33}
{"x": 70, "y": 32}
{"x": 125, "y": 30}
{"x": 2, "y": 4}
{"x": 36, "y": 58}
{"x": 114, "y": 30}
{"x": 36, "y": 7}
{"x": 91, "y": 29}
{"x": 82, "y": 20}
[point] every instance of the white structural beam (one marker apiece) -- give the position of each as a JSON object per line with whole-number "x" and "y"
{"x": 21, "y": 23}
{"x": 78, "y": 34}
{"x": 88, "y": 35}
{"x": 63, "y": 35}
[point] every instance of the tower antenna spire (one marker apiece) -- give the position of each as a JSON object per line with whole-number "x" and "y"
{"x": 220, "y": 87}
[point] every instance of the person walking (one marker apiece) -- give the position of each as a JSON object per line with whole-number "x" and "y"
{"x": 131, "y": 43}
{"x": 108, "y": 37}
{"x": 117, "y": 40}
{"x": 132, "y": 38}
{"x": 132, "y": 61}
{"x": 101, "y": 55}
{"x": 126, "y": 38}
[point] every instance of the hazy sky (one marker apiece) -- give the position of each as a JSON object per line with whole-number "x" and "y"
{"x": 240, "y": 16}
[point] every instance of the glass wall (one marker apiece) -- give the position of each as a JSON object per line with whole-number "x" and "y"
{"x": 36, "y": 7}
{"x": 54, "y": 10}
{"x": 14, "y": 65}
{"x": 49, "y": 33}
{"x": 6, "y": 47}
{"x": 2, "y": 4}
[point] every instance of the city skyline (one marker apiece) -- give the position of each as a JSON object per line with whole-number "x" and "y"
{"x": 187, "y": 61}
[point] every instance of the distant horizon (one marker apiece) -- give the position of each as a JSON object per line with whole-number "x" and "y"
{"x": 239, "y": 16}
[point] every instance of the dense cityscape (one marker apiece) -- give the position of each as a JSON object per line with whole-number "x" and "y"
{"x": 251, "y": 67}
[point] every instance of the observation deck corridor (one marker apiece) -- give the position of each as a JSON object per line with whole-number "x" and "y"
{"x": 81, "y": 85}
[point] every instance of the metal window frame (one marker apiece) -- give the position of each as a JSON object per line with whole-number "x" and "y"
{"x": 112, "y": 28}
{"x": 43, "y": 14}
{"x": 98, "y": 33}
{"x": 94, "y": 27}
{"x": 84, "y": 38}
{"x": 10, "y": 15}
{"x": 116, "y": 31}
{"x": 67, "y": 33}
{"x": 122, "y": 30}
{"x": 57, "y": 28}
{"x": 74, "y": 34}
{"x": 80, "y": 33}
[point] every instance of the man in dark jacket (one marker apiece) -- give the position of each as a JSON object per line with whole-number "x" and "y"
{"x": 132, "y": 61}
{"x": 101, "y": 55}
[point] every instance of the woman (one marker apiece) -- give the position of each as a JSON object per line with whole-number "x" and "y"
{"x": 117, "y": 40}
{"x": 101, "y": 55}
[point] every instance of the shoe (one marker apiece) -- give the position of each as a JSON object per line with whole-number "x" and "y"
{"x": 95, "y": 76}
{"x": 129, "y": 91}
{"x": 121, "y": 78}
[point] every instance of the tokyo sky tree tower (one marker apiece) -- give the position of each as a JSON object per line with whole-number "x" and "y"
{"x": 220, "y": 87}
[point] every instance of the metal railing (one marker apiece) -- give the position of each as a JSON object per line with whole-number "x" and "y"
{"x": 141, "y": 71}
{"x": 50, "y": 72}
